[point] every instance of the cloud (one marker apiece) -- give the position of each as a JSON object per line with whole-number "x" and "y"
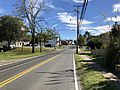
{"x": 103, "y": 29}
{"x": 51, "y": 5}
{"x": 96, "y": 30}
{"x": 86, "y": 22}
{"x": 113, "y": 19}
{"x": 116, "y": 7}
{"x": 100, "y": 29}
{"x": 79, "y": 1}
{"x": 55, "y": 25}
{"x": 71, "y": 21}
{"x": 51, "y": 18}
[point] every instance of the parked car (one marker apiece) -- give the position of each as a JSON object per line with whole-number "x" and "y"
{"x": 12, "y": 46}
{"x": 31, "y": 44}
{"x": 48, "y": 45}
{"x": 27, "y": 45}
{"x": 3, "y": 48}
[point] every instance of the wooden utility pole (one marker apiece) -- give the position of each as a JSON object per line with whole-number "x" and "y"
{"x": 77, "y": 10}
{"x": 80, "y": 18}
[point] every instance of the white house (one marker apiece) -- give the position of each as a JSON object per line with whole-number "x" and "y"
{"x": 19, "y": 43}
{"x": 53, "y": 42}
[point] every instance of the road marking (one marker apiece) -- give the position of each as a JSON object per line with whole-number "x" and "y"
{"x": 7, "y": 81}
{"x": 75, "y": 76}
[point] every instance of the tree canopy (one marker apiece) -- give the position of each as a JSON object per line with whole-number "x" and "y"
{"x": 81, "y": 41}
{"x": 10, "y": 28}
{"x": 31, "y": 11}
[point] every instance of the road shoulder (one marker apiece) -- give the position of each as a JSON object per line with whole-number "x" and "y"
{"x": 91, "y": 75}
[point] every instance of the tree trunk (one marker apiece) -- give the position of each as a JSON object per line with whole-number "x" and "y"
{"x": 40, "y": 46}
{"x": 22, "y": 46}
{"x": 59, "y": 41}
{"x": 33, "y": 40}
{"x": 44, "y": 41}
{"x": 9, "y": 42}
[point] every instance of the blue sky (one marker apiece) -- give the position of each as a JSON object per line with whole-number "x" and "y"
{"x": 100, "y": 15}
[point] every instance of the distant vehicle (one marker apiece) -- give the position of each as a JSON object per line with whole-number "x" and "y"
{"x": 48, "y": 45}
{"x": 4, "y": 46}
{"x": 51, "y": 43}
{"x": 30, "y": 45}
{"x": 36, "y": 44}
{"x": 27, "y": 45}
{"x": 12, "y": 46}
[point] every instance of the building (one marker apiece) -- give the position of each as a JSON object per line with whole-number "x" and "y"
{"x": 19, "y": 43}
{"x": 53, "y": 42}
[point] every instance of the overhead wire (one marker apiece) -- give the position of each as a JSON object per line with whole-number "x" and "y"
{"x": 84, "y": 7}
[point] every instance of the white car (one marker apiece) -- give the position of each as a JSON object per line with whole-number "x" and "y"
{"x": 12, "y": 46}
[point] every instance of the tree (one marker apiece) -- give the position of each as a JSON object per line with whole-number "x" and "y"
{"x": 75, "y": 42}
{"x": 94, "y": 43}
{"x": 105, "y": 38}
{"x": 87, "y": 34}
{"x": 113, "y": 51}
{"x": 46, "y": 34}
{"x": 64, "y": 42}
{"x": 40, "y": 39}
{"x": 116, "y": 30}
{"x": 49, "y": 34}
{"x": 45, "y": 37}
{"x": 31, "y": 10}
{"x": 10, "y": 28}
{"x": 81, "y": 41}
{"x": 52, "y": 34}
{"x": 23, "y": 35}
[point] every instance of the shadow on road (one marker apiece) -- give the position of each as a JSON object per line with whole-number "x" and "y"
{"x": 58, "y": 77}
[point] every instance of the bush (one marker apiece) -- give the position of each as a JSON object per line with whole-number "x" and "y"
{"x": 95, "y": 43}
{"x": 113, "y": 54}
{"x": 112, "y": 57}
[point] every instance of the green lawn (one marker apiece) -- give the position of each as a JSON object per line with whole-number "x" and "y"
{"x": 18, "y": 54}
{"x": 91, "y": 78}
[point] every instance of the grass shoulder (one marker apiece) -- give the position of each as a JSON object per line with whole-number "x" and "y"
{"x": 91, "y": 77}
{"x": 18, "y": 54}
{"x": 101, "y": 60}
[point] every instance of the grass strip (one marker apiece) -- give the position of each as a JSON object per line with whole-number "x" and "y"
{"x": 91, "y": 78}
{"x": 18, "y": 54}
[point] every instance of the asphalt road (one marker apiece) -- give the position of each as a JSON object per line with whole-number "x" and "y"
{"x": 45, "y": 74}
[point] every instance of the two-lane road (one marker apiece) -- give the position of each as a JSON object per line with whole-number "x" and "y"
{"x": 56, "y": 73}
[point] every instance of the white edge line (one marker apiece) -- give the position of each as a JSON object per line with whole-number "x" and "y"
{"x": 75, "y": 76}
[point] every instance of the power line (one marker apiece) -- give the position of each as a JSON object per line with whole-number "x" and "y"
{"x": 83, "y": 11}
{"x": 80, "y": 18}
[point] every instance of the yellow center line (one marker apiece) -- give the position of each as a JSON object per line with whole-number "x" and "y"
{"x": 7, "y": 81}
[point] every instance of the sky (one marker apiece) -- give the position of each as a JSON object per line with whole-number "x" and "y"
{"x": 99, "y": 17}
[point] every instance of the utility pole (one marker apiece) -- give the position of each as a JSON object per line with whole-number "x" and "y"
{"x": 77, "y": 10}
{"x": 80, "y": 18}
